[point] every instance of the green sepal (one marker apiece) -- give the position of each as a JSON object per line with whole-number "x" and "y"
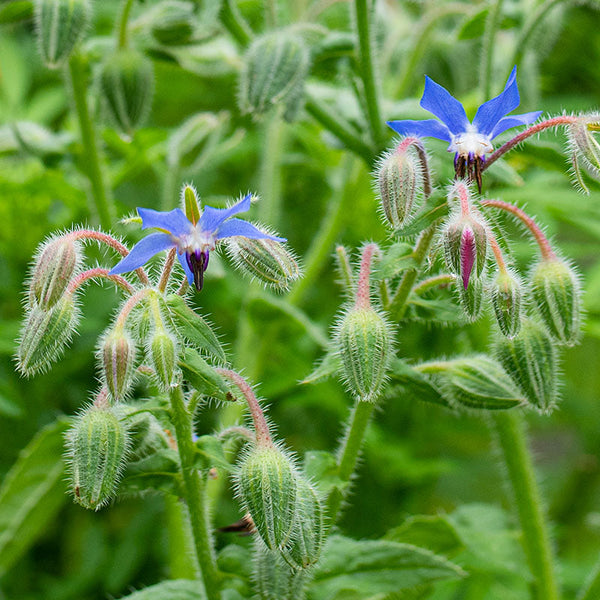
{"x": 209, "y": 454}
{"x": 328, "y": 366}
{"x": 203, "y": 377}
{"x": 415, "y": 384}
{"x": 190, "y": 201}
{"x": 157, "y": 472}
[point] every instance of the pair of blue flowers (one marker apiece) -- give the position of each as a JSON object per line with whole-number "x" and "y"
{"x": 470, "y": 141}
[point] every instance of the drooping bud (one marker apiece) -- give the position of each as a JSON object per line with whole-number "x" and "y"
{"x": 55, "y": 265}
{"x": 97, "y": 447}
{"x": 583, "y": 144}
{"x": 271, "y": 262}
{"x": 506, "y": 292}
{"x": 274, "y": 579}
{"x": 400, "y": 183}
{"x": 266, "y": 483}
{"x": 45, "y": 334}
{"x": 556, "y": 293}
{"x": 530, "y": 359}
{"x": 117, "y": 357}
{"x": 195, "y": 138}
{"x": 172, "y": 23}
{"x": 60, "y": 25}
{"x": 163, "y": 356}
{"x": 275, "y": 67}
{"x": 470, "y": 298}
{"x": 127, "y": 86}
{"x": 308, "y": 536}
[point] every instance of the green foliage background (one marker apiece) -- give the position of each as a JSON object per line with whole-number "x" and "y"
{"x": 418, "y": 459}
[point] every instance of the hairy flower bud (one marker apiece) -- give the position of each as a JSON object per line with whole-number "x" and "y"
{"x": 45, "y": 334}
{"x": 266, "y": 482}
{"x": 172, "y": 23}
{"x": 470, "y": 298}
{"x": 308, "y": 536}
{"x": 506, "y": 291}
{"x": 275, "y": 67}
{"x": 163, "y": 356}
{"x": 556, "y": 293}
{"x": 271, "y": 262}
{"x": 117, "y": 357}
{"x": 127, "y": 86}
{"x": 97, "y": 446}
{"x": 55, "y": 265}
{"x": 530, "y": 359}
{"x": 60, "y": 26}
{"x": 400, "y": 184}
{"x": 583, "y": 144}
{"x": 364, "y": 343}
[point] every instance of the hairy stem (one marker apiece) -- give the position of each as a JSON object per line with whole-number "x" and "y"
{"x": 123, "y": 23}
{"x": 510, "y": 430}
{"x": 99, "y": 273}
{"x": 167, "y": 269}
{"x": 195, "y": 495}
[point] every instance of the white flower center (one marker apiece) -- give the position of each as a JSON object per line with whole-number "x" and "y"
{"x": 471, "y": 143}
{"x": 196, "y": 239}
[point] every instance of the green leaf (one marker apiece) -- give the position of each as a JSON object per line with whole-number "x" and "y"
{"x": 32, "y": 493}
{"x": 321, "y": 466}
{"x": 203, "y": 377}
{"x": 209, "y": 454}
{"x": 158, "y": 471}
{"x": 193, "y": 327}
{"x": 178, "y": 589}
{"x": 435, "y": 209}
{"x": 328, "y": 366}
{"x": 433, "y": 532}
{"x": 416, "y": 385}
{"x": 19, "y": 10}
{"x": 474, "y": 25}
{"x": 396, "y": 259}
{"x": 372, "y": 567}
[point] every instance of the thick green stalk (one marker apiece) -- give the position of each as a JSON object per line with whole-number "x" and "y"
{"x": 195, "y": 495}
{"x": 269, "y": 208}
{"x": 489, "y": 39}
{"x": 91, "y": 156}
{"x": 123, "y": 23}
{"x": 181, "y": 564}
{"x": 234, "y": 23}
{"x": 362, "y": 10}
{"x": 510, "y": 429}
{"x": 349, "y": 452}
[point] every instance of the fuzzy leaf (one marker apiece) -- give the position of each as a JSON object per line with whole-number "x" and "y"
{"x": 177, "y": 589}
{"x": 158, "y": 471}
{"x": 396, "y": 259}
{"x": 435, "y": 209}
{"x": 328, "y": 366}
{"x": 415, "y": 384}
{"x": 203, "y": 377}
{"x": 18, "y": 10}
{"x": 209, "y": 454}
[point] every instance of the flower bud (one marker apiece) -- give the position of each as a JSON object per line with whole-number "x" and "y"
{"x": 506, "y": 299}
{"x": 45, "y": 334}
{"x": 266, "y": 260}
{"x": 530, "y": 359}
{"x": 163, "y": 356}
{"x": 172, "y": 23}
{"x": 266, "y": 483}
{"x": 470, "y": 298}
{"x": 308, "y": 536}
{"x": 364, "y": 343}
{"x": 556, "y": 292}
{"x": 54, "y": 267}
{"x": 583, "y": 143}
{"x": 194, "y": 139}
{"x": 127, "y": 86}
{"x": 117, "y": 357}
{"x": 60, "y": 26}
{"x": 145, "y": 433}
{"x": 400, "y": 185}
{"x": 465, "y": 245}
{"x": 97, "y": 447}
{"x": 275, "y": 67}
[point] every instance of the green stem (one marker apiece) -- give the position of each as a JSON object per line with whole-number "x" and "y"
{"x": 234, "y": 23}
{"x": 320, "y": 248}
{"x": 91, "y": 155}
{"x": 489, "y": 39}
{"x": 180, "y": 564}
{"x": 123, "y": 22}
{"x": 510, "y": 428}
{"x": 591, "y": 590}
{"x": 396, "y": 307}
{"x": 269, "y": 208}
{"x": 362, "y": 15}
{"x": 349, "y": 452}
{"x": 195, "y": 494}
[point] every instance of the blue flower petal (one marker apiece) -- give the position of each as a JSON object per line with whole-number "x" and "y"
{"x": 213, "y": 217}
{"x": 426, "y": 128}
{"x": 174, "y": 221}
{"x": 186, "y": 268}
{"x": 438, "y": 101}
{"x": 235, "y": 227}
{"x": 515, "y": 121}
{"x": 143, "y": 251}
{"x": 490, "y": 112}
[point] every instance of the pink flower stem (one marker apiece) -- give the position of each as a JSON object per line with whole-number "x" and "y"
{"x": 537, "y": 128}
{"x": 497, "y": 253}
{"x": 463, "y": 195}
{"x": 540, "y": 238}
{"x": 131, "y": 304}
{"x": 363, "y": 287}
{"x": 263, "y": 437}
{"x": 99, "y": 236}
{"x": 102, "y": 399}
{"x": 99, "y": 273}
{"x": 167, "y": 268}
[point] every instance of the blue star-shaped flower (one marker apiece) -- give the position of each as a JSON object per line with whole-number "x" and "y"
{"x": 193, "y": 240}
{"x": 469, "y": 141}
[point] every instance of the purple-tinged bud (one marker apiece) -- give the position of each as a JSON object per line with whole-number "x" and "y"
{"x": 55, "y": 265}
{"x": 556, "y": 293}
{"x": 400, "y": 184}
{"x": 470, "y": 298}
{"x": 45, "y": 335}
{"x": 266, "y": 483}
{"x": 268, "y": 261}
{"x": 530, "y": 359}
{"x": 506, "y": 292}
{"x": 163, "y": 356}
{"x": 60, "y": 25}
{"x": 117, "y": 358}
{"x": 97, "y": 448}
